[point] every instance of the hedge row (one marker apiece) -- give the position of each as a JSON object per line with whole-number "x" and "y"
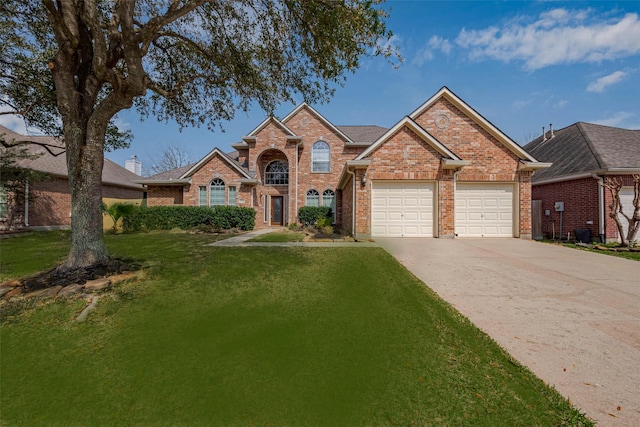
{"x": 309, "y": 215}
{"x": 188, "y": 217}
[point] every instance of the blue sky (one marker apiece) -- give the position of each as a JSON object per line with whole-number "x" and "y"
{"x": 522, "y": 65}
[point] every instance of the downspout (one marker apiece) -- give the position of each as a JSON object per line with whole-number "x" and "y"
{"x": 26, "y": 203}
{"x": 601, "y": 216}
{"x": 297, "y": 165}
{"x": 353, "y": 204}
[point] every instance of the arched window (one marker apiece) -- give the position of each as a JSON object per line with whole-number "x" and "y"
{"x": 329, "y": 199}
{"x": 313, "y": 198}
{"x": 276, "y": 173}
{"x": 216, "y": 192}
{"x": 320, "y": 157}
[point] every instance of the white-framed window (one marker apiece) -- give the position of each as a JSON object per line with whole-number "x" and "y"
{"x": 276, "y": 173}
{"x": 216, "y": 189}
{"x": 3, "y": 202}
{"x": 232, "y": 195}
{"x": 329, "y": 199}
{"x": 320, "y": 157}
{"x": 202, "y": 195}
{"x": 313, "y": 198}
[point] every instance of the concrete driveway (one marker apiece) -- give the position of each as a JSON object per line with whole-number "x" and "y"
{"x": 571, "y": 316}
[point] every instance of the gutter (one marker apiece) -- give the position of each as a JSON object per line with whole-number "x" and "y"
{"x": 353, "y": 203}
{"x": 297, "y": 166}
{"x": 164, "y": 182}
{"x": 569, "y": 177}
{"x": 601, "y": 216}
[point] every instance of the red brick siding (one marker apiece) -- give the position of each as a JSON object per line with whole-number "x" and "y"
{"x": 524, "y": 198}
{"x": 312, "y": 130}
{"x": 490, "y": 159}
{"x": 50, "y": 202}
{"x": 112, "y": 192}
{"x": 580, "y": 197}
{"x": 164, "y": 195}
{"x": 347, "y": 206}
{"x": 217, "y": 168}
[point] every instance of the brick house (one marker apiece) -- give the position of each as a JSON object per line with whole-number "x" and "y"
{"x": 46, "y": 204}
{"x": 443, "y": 171}
{"x": 583, "y": 154}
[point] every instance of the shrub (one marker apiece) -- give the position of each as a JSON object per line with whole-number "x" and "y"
{"x": 310, "y": 215}
{"x": 190, "y": 217}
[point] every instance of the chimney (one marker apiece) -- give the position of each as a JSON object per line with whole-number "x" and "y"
{"x": 544, "y": 135}
{"x": 551, "y": 129}
{"x": 133, "y": 165}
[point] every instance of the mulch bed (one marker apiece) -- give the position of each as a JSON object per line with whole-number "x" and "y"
{"x": 63, "y": 277}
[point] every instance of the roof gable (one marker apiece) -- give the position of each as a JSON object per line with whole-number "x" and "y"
{"x": 215, "y": 152}
{"x": 423, "y": 134}
{"x": 276, "y": 122}
{"x": 320, "y": 117}
{"x": 446, "y": 93}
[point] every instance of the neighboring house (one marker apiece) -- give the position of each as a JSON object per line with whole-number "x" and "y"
{"x": 47, "y": 203}
{"x": 442, "y": 171}
{"x": 583, "y": 154}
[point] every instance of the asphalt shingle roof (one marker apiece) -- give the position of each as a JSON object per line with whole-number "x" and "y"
{"x": 51, "y": 159}
{"x": 585, "y": 147}
{"x": 363, "y": 134}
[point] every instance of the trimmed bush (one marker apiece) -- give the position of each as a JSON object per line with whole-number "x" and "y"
{"x": 189, "y": 217}
{"x": 310, "y": 215}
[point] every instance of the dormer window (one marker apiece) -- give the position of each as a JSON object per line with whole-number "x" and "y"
{"x": 320, "y": 157}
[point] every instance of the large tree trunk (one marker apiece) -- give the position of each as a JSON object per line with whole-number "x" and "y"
{"x": 85, "y": 161}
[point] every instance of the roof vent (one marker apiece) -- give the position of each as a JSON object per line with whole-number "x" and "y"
{"x": 551, "y": 130}
{"x": 544, "y": 135}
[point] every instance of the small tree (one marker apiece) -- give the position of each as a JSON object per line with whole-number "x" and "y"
{"x": 171, "y": 158}
{"x": 118, "y": 211}
{"x": 614, "y": 184}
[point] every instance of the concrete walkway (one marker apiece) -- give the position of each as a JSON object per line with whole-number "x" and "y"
{"x": 243, "y": 240}
{"x": 571, "y": 316}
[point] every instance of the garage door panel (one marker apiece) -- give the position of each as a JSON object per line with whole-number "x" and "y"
{"x": 484, "y": 210}
{"x": 402, "y": 209}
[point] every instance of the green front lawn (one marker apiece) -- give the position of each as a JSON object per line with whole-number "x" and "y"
{"x": 258, "y": 336}
{"x": 635, "y": 256}
{"x": 279, "y": 236}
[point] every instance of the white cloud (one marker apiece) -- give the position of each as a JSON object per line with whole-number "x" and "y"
{"x": 11, "y": 121}
{"x": 518, "y": 105}
{"x": 558, "y": 36}
{"x": 619, "y": 119}
{"x": 435, "y": 43}
{"x": 600, "y": 84}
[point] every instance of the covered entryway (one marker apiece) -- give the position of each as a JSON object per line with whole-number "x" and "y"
{"x": 402, "y": 209}
{"x": 484, "y": 210}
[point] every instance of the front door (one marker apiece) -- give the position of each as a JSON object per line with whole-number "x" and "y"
{"x": 276, "y": 210}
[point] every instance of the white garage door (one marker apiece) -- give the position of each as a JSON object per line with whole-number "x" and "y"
{"x": 626, "y": 200}
{"x": 402, "y": 209}
{"x": 484, "y": 210}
